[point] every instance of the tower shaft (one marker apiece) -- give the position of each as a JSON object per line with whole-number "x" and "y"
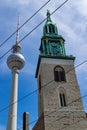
{"x": 12, "y": 114}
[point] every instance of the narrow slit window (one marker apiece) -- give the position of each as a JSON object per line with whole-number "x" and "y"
{"x": 53, "y": 30}
{"x": 50, "y": 30}
{"x": 39, "y": 83}
{"x": 46, "y": 29}
{"x": 62, "y": 100}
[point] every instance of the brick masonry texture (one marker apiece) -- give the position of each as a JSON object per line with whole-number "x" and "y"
{"x": 55, "y": 117}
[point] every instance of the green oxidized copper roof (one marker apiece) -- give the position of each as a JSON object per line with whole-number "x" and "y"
{"x": 49, "y": 23}
{"x": 52, "y": 44}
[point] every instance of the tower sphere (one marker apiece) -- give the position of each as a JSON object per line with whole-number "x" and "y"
{"x": 16, "y": 60}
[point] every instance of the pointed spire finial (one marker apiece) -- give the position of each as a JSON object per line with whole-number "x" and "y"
{"x": 48, "y": 15}
{"x": 17, "y": 35}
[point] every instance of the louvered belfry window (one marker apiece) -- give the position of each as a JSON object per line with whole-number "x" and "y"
{"x": 59, "y": 74}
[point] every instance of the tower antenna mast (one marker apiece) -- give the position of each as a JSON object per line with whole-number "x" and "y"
{"x": 17, "y": 35}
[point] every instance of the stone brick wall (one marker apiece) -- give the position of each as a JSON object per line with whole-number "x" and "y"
{"x": 55, "y": 117}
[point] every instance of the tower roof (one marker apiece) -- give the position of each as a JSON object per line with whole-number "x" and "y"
{"x": 49, "y": 28}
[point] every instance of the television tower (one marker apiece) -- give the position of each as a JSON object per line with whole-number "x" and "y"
{"x": 15, "y": 62}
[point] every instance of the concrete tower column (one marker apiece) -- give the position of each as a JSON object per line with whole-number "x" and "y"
{"x": 12, "y": 115}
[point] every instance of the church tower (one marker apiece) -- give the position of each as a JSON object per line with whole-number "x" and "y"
{"x": 59, "y": 100}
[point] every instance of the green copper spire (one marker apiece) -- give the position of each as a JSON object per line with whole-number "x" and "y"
{"x": 49, "y": 28}
{"x": 48, "y": 16}
{"x": 52, "y": 44}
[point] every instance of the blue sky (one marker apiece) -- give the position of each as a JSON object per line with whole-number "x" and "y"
{"x": 71, "y": 21}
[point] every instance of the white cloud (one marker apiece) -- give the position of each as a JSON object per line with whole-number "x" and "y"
{"x": 23, "y": 2}
{"x": 18, "y": 2}
{"x": 81, "y": 6}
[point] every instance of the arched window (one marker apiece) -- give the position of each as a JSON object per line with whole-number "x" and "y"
{"x": 62, "y": 97}
{"x": 51, "y": 29}
{"x": 59, "y": 74}
{"x": 46, "y": 29}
